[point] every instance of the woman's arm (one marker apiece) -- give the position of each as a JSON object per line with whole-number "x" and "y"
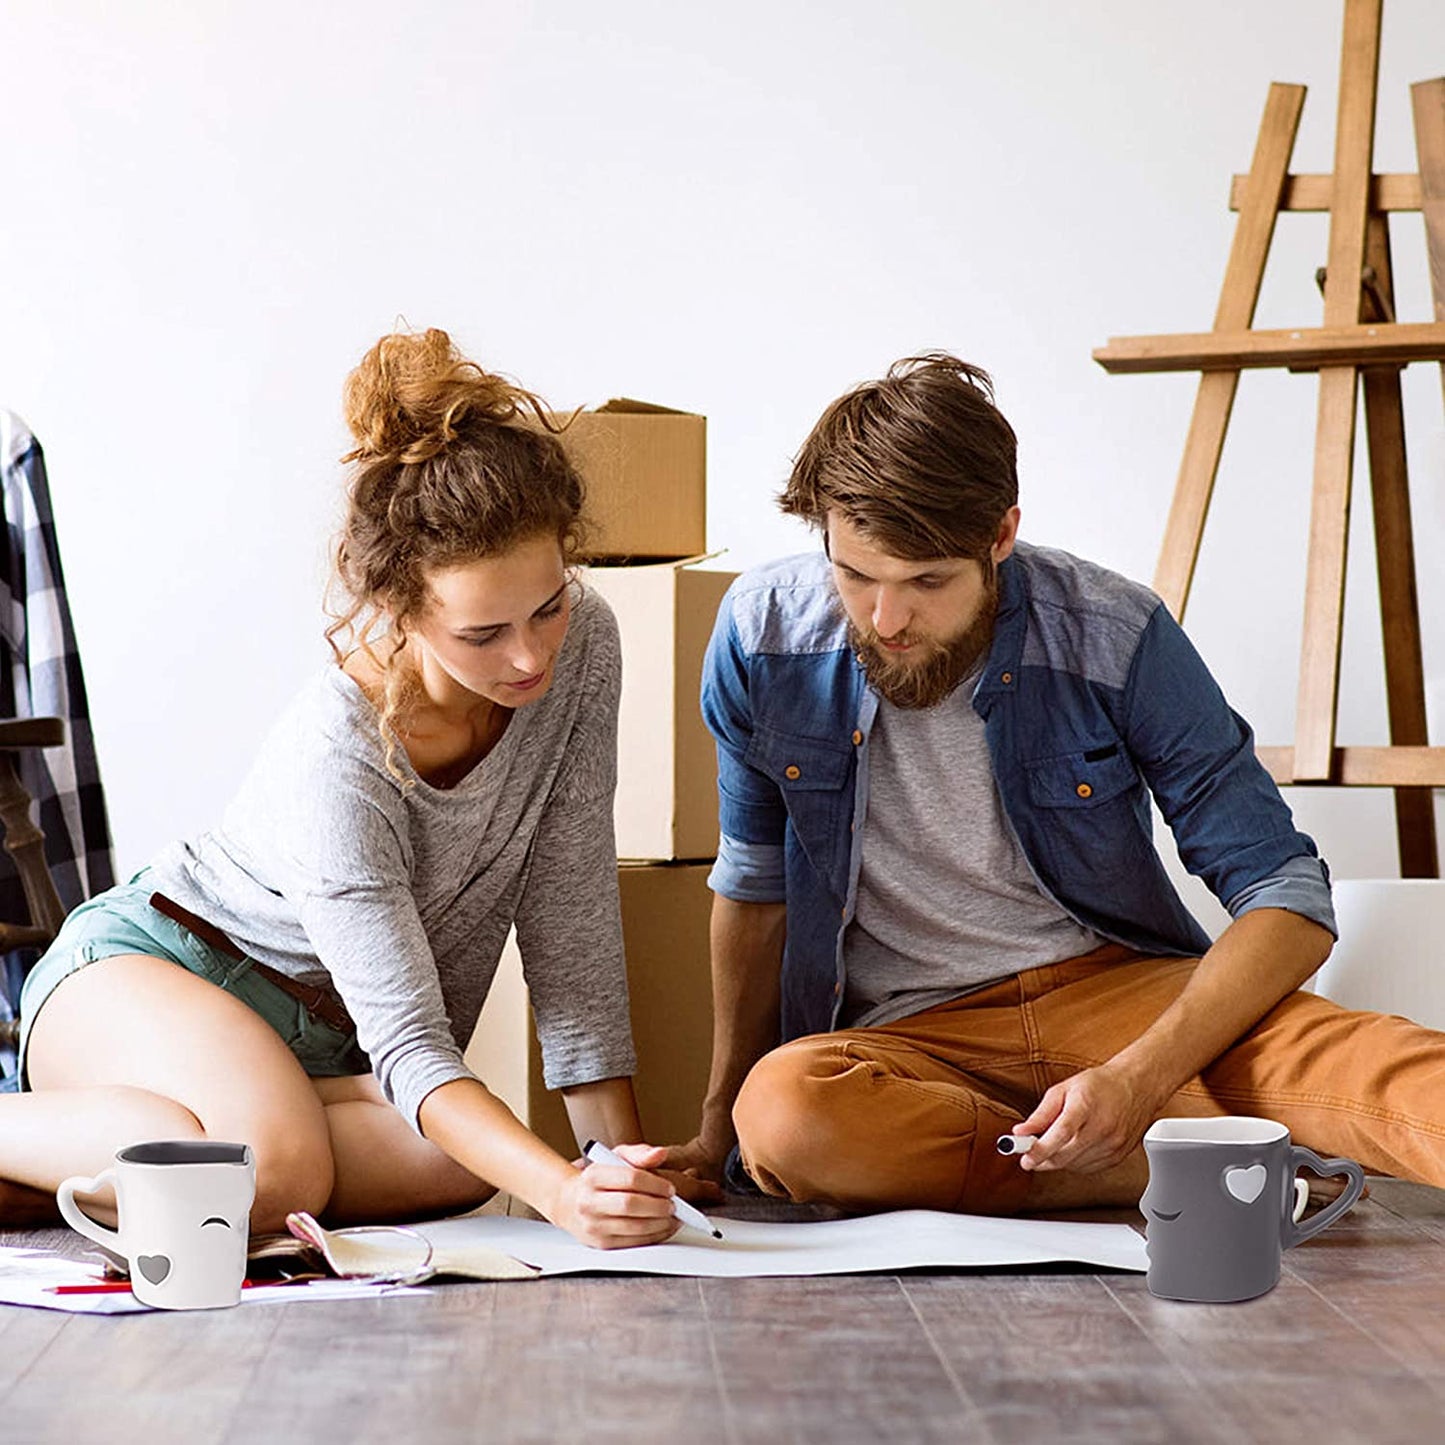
{"x": 605, "y": 1110}
{"x": 605, "y": 1206}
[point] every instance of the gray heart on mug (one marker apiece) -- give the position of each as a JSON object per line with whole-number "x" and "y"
{"x": 155, "y": 1267}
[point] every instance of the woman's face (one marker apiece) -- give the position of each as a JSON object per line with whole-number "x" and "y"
{"x": 493, "y": 626}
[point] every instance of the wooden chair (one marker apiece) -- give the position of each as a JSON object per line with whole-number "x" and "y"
{"x": 26, "y": 845}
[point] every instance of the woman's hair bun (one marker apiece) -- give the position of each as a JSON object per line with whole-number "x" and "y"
{"x": 414, "y": 391}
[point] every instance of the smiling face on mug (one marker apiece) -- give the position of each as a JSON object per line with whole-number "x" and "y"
{"x": 184, "y": 1214}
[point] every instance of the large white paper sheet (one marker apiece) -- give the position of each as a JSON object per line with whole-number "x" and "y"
{"x": 906, "y": 1239}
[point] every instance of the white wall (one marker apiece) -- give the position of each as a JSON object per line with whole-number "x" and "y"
{"x": 211, "y": 210}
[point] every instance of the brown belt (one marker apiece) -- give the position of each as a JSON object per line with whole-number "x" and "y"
{"x": 316, "y": 1001}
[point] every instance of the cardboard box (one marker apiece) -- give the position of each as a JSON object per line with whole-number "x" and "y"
{"x": 646, "y": 472}
{"x": 665, "y": 913}
{"x": 666, "y": 764}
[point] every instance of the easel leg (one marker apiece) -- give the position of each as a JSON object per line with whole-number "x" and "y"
{"x": 1428, "y": 102}
{"x": 1335, "y": 428}
{"x": 1215, "y": 398}
{"x": 1395, "y": 565}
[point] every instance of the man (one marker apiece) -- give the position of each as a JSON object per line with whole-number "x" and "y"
{"x": 939, "y": 914}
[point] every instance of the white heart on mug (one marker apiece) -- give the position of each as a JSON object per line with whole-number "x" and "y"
{"x": 1246, "y": 1184}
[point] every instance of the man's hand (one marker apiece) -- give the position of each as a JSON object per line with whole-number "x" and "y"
{"x": 701, "y": 1165}
{"x": 1088, "y": 1123}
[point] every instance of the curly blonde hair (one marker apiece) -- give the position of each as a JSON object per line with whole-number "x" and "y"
{"x": 452, "y": 463}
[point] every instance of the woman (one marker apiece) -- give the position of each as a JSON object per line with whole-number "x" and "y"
{"x": 451, "y": 777}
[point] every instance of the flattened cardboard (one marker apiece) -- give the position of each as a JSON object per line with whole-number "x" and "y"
{"x": 645, "y": 467}
{"x": 666, "y": 804}
{"x": 665, "y": 913}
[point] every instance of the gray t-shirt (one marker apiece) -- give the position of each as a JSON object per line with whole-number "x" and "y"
{"x": 399, "y": 899}
{"x": 946, "y": 900}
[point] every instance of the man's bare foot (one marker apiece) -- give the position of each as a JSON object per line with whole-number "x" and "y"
{"x": 1326, "y": 1189}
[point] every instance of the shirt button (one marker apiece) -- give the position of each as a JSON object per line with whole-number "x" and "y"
{"x": 1006, "y": 678}
{"x": 857, "y": 737}
{"x": 1084, "y": 790}
{"x": 792, "y": 772}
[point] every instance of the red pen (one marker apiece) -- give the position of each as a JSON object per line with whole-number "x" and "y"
{"x": 121, "y": 1286}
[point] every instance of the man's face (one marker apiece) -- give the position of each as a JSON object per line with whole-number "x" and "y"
{"x": 918, "y": 627}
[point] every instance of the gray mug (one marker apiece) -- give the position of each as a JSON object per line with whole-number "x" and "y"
{"x": 1223, "y": 1203}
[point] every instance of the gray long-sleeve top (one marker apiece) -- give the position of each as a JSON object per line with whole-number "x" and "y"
{"x": 399, "y": 899}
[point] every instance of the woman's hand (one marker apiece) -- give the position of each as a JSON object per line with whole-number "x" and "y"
{"x": 612, "y": 1206}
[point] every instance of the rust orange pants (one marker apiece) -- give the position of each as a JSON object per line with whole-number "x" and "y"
{"x": 906, "y": 1115}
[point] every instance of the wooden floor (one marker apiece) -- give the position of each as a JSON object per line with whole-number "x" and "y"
{"x": 1349, "y": 1347}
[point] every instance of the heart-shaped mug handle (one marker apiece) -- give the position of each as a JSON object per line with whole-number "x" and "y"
{"x": 1296, "y": 1233}
{"x": 76, "y": 1218}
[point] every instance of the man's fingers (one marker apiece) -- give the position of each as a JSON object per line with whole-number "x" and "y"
{"x": 643, "y": 1156}
{"x": 1055, "y": 1143}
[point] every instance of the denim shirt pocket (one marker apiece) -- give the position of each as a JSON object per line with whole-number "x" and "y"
{"x": 1085, "y": 805}
{"x": 813, "y": 776}
{"x": 1086, "y": 779}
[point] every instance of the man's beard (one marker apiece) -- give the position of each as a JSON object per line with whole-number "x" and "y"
{"x": 931, "y": 670}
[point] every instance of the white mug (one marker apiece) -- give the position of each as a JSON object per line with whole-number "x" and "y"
{"x": 184, "y": 1209}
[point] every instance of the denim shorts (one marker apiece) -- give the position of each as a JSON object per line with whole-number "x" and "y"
{"x": 121, "y": 920}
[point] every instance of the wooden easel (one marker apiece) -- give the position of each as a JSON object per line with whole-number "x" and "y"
{"x": 1360, "y": 342}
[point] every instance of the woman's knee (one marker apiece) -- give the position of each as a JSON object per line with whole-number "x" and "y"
{"x": 294, "y": 1171}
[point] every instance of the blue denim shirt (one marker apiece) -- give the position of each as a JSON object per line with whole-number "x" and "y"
{"x": 1092, "y": 699}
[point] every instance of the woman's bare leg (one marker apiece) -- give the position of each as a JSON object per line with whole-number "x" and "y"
{"x": 138, "y": 1048}
{"x": 385, "y": 1170}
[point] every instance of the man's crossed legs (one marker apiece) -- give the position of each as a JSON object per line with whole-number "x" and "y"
{"x": 906, "y": 1115}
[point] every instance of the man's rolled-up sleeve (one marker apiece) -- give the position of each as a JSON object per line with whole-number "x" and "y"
{"x": 752, "y": 817}
{"x": 1233, "y": 828}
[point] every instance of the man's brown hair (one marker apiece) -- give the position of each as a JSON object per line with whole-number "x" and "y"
{"x": 921, "y": 462}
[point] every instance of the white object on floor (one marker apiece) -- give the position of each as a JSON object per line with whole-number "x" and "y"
{"x": 30, "y": 1276}
{"x": 1391, "y": 953}
{"x": 906, "y": 1239}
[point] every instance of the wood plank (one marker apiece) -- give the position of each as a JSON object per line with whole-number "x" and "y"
{"x": 1319, "y": 682}
{"x": 1382, "y": 1273}
{"x": 1356, "y": 767}
{"x": 169, "y": 1378}
{"x": 1388, "y": 192}
{"x": 1427, "y": 101}
{"x": 1421, "y": 1205}
{"x": 1054, "y": 1357}
{"x": 1329, "y": 533}
{"x": 1238, "y": 297}
{"x": 403, "y": 1367}
{"x": 828, "y": 1360}
{"x": 1274, "y": 1363}
{"x": 1395, "y": 570}
{"x": 541, "y": 1360}
{"x": 1301, "y": 348}
{"x": 25, "y": 1335}
{"x": 1354, "y": 155}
